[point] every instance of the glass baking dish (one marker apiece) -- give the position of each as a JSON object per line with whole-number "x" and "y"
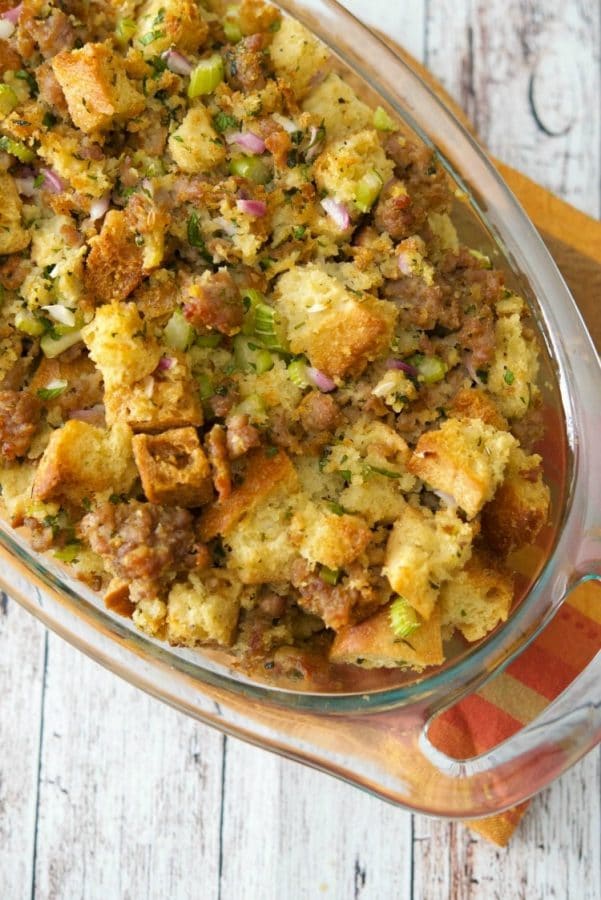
{"x": 378, "y": 739}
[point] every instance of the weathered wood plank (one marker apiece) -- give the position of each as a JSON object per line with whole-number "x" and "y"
{"x": 130, "y": 791}
{"x": 290, "y": 832}
{"x": 404, "y": 20}
{"x": 22, "y": 646}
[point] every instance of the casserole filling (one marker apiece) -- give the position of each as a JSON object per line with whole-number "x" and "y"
{"x": 253, "y": 387}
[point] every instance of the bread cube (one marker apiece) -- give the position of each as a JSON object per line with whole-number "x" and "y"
{"x": 120, "y": 346}
{"x": 260, "y": 549}
{"x": 474, "y": 403}
{"x": 167, "y": 398}
{"x": 204, "y": 609}
{"x": 16, "y": 480}
{"x": 13, "y": 237}
{"x": 520, "y": 507}
{"x": 513, "y": 372}
{"x": 173, "y": 468}
{"x": 119, "y": 257}
{"x": 339, "y": 332}
{"x": 423, "y": 550}
{"x": 265, "y": 473}
{"x": 296, "y": 55}
{"x": 96, "y": 87}
{"x": 372, "y": 644}
{"x": 345, "y": 162}
{"x": 61, "y": 149}
{"x": 335, "y": 103}
{"x": 195, "y": 145}
{"x": 116, "y": 598}
{"x": 324, "y": 538}
{"x": 465, "y": 459}
{"x": 81, "y": 460}
{"x": 476, "y": 599}
{"x": 162, "y": 24}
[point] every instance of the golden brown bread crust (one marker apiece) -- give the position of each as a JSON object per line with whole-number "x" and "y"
{"x": 114, "y": 266}
{"x": 173, "y": 468}
{"x": 265, "y": 471}
{"x": 474, "y": 403}
{"x": 520, "y": 507}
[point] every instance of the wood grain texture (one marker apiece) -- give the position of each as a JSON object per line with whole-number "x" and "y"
{"x": 105, "y": 793}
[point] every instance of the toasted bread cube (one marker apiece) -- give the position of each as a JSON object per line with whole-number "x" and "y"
{"x": 96, "y": 87}
{"x": 195, "y": 145}
{"x": 513, "y": 373}
{"x": 476, "y": 599}
{"x": 81, "y": 460}
{"x": 296, "y": 55}
{"x": 162, "y": 24}
{"x": 335, "y": 103}
{"x": 120, "y": 345}
{"x": 327, "y": 539}
{"x": 117, "y": 599}
{"x": 260, "y": 549}
{"x": 203, "y": 610}
{"x": 16, "y": 480}
{"x": 167, "y": 398}
{"x": 423, "y": 551}
{"x": 473, "y": 403}
{"x": 115, "y": 263}
{"x": 173, "y": 468}
{"x": 61, "y": 150}
{"x": 520, "y": 507}
{"x": 13, "y": 237}
{"x": 345, "y": 162}
{"x": 464, "y": 458}
{"x": 339, "y": 332}
{"x": 264, "y": 474}
{"x": 372, "y": 644}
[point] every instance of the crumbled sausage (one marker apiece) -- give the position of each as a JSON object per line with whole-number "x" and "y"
{"x": 49, "y": 34}
{"x": 216, "y": 444}
{"x": 246, "y": 63}
{"x": 241, "y": 436}
{"x": 214, "y": 302}
{"x": 394, "y": 212}
{"x": 318, "y": 413}
{"x": 19, "y": 417}
{"x": 9, "y": 58}
{"x": 50, "y": 90}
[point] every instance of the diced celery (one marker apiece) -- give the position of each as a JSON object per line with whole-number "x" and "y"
{"x": 52, "y": 347}
{"x": 382, "y": 120}
{"x": 52, "y": 390}
{"x": 267, "y": 327}
{"x": 205, "y": 386}
{"x": 68, "y": 553}
{"x": 252, "y": 167}
{"x": 368, "y": 191}
{"x": 8, "y": 99}
{"x": 178, "y": 332}
{"x": 330, "y": 576}
{"x": 297, "y": 373}
{"x": 29, "y": 324}
{"x": 125, "y": 30}
{"x": 264, "y": 362}
{"x": 17, "y": 149}
{"x": 253, "y": 407}
{"x": 205, "y": 77}
{"x": 231, "y": 25}
{"x": 403, "y": 618}
{"x": 208, "y": 340}
{"x": 430, "y": 368}
{"x": 250, "y": 357}
{"x": 481, "y": 257}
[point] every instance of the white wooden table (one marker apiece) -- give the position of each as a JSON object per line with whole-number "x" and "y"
{"x": 105, "y": 793}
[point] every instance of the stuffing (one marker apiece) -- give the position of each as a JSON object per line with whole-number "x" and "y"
{"x": 372, "y": 644}
{"x": 474, "y": 403}
{"x": 325, "y": 538}
{"x": 82, "y": 460}
{"x": 346, "y": 162}
{"x": 161, "y": 24}
{"x": 477, "y": 599}
{"x": 13, "y": 237}
{"x": 520, "y": 507}
{"x": 296, "y": 55}
{"x": 195, "y": 145}
{"x": 512, "y": 375}
{"x": 204, "y": 609}
{"x": 115, "y": 264}
{"x": 259, "y": 549}
{"x": 424, "y": 550}
{"x": 339, "y": 332}
{"x": 466, "y": 460}
{"x": 96, "y": 87}
{"x": 173, "y": 468}
{"x": 61, "y": 150}
{"x": 120, "y": 345}
{"x": 335, "y": 103}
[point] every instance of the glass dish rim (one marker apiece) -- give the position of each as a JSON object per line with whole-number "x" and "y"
{"x": 500, "y": 645}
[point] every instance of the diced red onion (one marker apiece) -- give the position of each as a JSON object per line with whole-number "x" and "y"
{"x": 252, "y": 207}
{"x": 315, "y": 146}
{"x": 406, "y": 263}
{"x": 13, "y": 14}
{"x": 7, "y": 28}
{"x": 402, "y": 367}
{"x": 321, "y": 380}
{"x": 468, "y": 362}
{"x": 25, "y": 185}
{"x": 248, "y": 140}
{"x": 99, "y": 208}
{"x": 93, "y": 416}
{"x": 337, "y": 212}
{"x": 287, "y": 124}
{"x": 52, "y": 181}
{"x": 177, "y": 62}
{"x": 447, "y": 499}
{"x": 61, "y": 314}
{"x": 165, "y": 363}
